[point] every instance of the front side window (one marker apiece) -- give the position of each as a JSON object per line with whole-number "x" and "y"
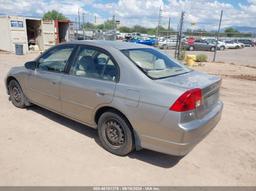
{"x": 154, "y": 63}
{"x": 55, "y": 60}
{"x": 97, "y": 65}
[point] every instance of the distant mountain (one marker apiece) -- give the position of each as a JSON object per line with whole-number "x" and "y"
{"x": 245, "y": 29}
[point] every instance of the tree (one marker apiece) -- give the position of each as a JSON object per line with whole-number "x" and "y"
{"x": 230, "y": 32}
{"x": 151, "y": 31}
{"x": 88, "y": 26}
{"x": 54, "y": 15}
{"x": 140, "y": 29}
{"x": 125, "y": 29}
{"x": 107, "y": 25}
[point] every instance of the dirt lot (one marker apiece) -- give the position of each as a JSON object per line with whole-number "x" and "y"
{"x": 38, "y": 147}
{"x": 245, "y": 56}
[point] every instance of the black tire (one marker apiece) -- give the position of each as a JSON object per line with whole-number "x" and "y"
{"x": 17, "y": 96}
{"x": 212, "y": 49}
{"x": 165, "y": 47}
{"x": 222, "y": 48}
{"x": 115, "y": 133}
{"x": 191, "y": 48}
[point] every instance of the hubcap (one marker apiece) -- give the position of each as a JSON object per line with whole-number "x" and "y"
{"x": 114, "y": 133}
{"x": 16, "y": 94}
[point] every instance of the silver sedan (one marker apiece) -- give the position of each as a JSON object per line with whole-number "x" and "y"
{"x": 134, "y": 95}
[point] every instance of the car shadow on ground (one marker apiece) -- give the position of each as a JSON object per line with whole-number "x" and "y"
{"x": 155, "y": 158}
{"x": 151, "y": 157}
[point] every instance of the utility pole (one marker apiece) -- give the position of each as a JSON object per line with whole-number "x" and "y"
{"x": 113, "y": 21}
{"x": 179, "y": 36}
{"x": 169, "y": 27}
{"x": 159, "y": 21}
{"x": 78, "y": 19}
{"x": 114, "y": 26}
{"x": 83, "y": 27}
{"x": 76, "y": 36}
{"x": 217, "y": 37}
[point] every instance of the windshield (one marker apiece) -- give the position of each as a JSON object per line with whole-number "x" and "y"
{"x": 154, "y": 63}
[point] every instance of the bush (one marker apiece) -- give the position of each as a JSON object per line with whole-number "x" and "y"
{"x": 201, "y": 58}
{"x": 182, "y": 55}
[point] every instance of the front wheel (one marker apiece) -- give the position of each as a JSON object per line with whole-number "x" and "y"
{"x": 222, "y": 48}
{"x": 165, "y": 47}
{"x": 115, "y": 133}
{"x": 212, "y": 49}
{"x": 18, "y": 99}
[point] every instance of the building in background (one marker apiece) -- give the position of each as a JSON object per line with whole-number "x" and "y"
{"x": 32, "y": 33}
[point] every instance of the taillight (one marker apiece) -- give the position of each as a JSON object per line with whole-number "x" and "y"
{"x": 190, "y": 100}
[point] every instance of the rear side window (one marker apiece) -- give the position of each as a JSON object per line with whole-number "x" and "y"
{"x": 154, "y": 63}
{"x": 93, "y": 63}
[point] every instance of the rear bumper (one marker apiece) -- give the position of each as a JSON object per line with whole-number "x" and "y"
{"x": 192, "y": 134}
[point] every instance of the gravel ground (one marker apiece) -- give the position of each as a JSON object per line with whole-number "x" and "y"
{"x": 38, "y": 147}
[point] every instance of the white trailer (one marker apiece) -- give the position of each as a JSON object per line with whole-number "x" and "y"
{"x": 12, "y": 31}
{"x": 33, "y": 33}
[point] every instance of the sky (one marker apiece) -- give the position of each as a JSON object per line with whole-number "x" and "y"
{"x": 204, "y": 13}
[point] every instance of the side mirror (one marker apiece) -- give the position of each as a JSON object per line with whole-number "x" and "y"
{"x": 30, "y": 65}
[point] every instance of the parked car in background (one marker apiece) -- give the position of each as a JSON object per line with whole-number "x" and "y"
{"x": 246, "y": 42}
{"x": 189, "y": 40}
{"x": 200, "y": 44}
{"x": 242, "y": 45}
{"x": 220, "y": 45}
{"x": 127, "y": 37}
{"x": 151, "y": 41}
{"x": 254, "y": 41}
{"x": 134, "y": 95}
{"x": 231, "y": 44}
{"x": 167, "y": 43}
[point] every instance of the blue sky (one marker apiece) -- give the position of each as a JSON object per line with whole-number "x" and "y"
{"x": 234, "y": 2}
{"x": 205, "y": 13}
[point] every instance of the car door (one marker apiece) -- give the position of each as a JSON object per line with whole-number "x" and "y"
{"x": 198, "y": 45}
{"x": 90, "y": 83}
{"x": 44, "y": 81}
{"x": 173, "y": 43}
{"x": 204, "y": 45}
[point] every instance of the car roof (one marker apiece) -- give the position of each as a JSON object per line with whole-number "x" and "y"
{"x": 108, "y": 43}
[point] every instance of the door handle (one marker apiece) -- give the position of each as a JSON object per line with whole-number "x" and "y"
{"x": 54, "y": 83}
{"x": 100, "y": 93}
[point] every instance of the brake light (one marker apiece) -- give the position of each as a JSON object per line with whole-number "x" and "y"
{"x": 190, "y": 100}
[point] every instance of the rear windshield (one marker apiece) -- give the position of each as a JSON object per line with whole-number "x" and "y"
{"x": 155, "y": 64}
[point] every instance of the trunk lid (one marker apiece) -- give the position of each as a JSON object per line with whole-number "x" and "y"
{"x": 209, "y": 84}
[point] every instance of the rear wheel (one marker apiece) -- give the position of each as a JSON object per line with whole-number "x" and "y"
{"x": 17, "y": 97}
{"x": 212, "y": 49}
{"x": 115, "y": 133}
